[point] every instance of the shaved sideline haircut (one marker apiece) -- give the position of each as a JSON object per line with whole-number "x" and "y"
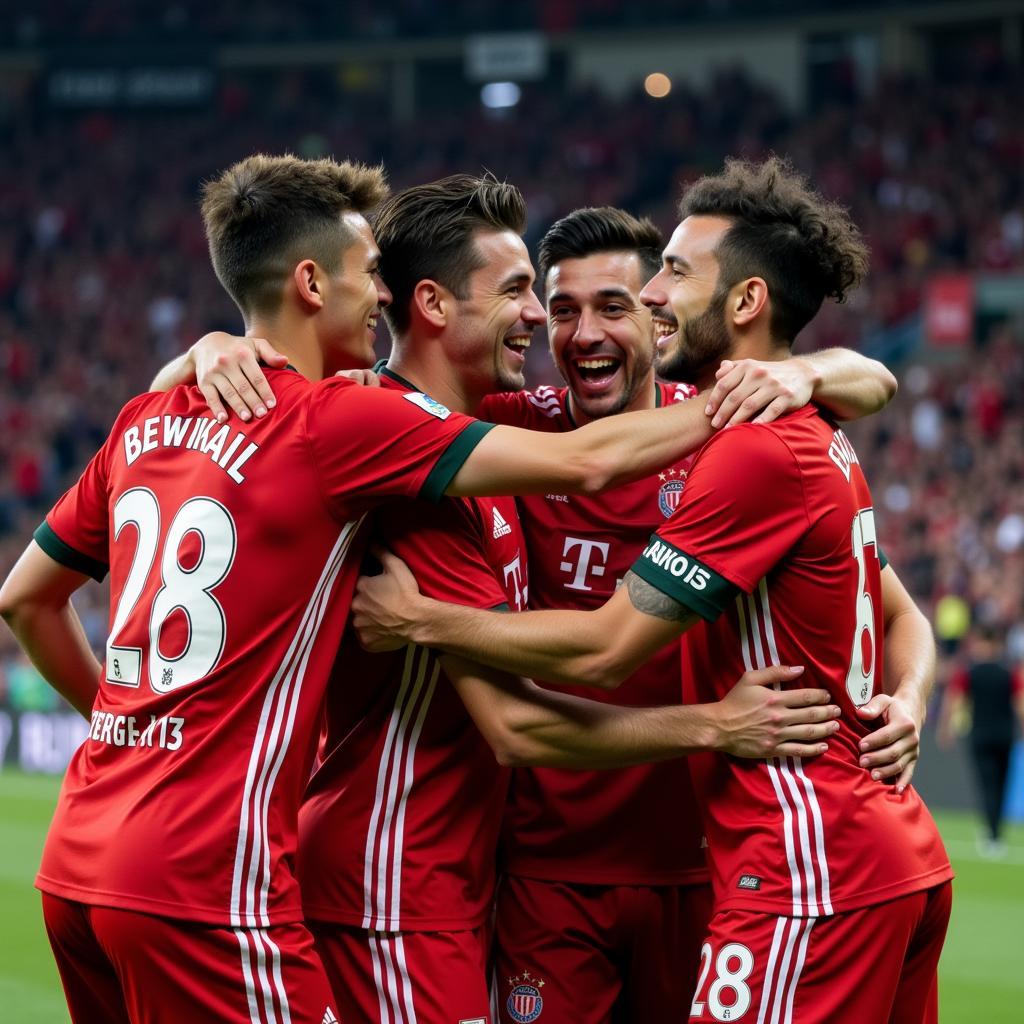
{"x": 265, "y": 214}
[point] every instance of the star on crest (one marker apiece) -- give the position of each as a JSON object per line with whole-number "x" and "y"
{"x": 662, "y": 477}
{"x": 671, "y": 472}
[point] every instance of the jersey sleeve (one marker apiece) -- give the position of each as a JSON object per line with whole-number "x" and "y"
{"x": 374, "y": 443}
{"x": 502, "y": 407}
{"x": 443, "y": 546}
{"x": 76, "y": 530}
{"x": 742, "y": 509}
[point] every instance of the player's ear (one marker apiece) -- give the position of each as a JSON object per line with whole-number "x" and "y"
{"x": 306, "y": 277}
{"x": 432, "y": 302}
{"x": 747, "y": 300}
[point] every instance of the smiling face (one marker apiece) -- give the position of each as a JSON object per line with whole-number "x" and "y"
{"x": 600, "y": 332}
{"x": 491, "y": 328}
{"x": 687, "y": 303}
{"x": 353, "y": 300}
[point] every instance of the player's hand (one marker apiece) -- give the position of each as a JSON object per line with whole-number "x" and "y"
{"x": 752, "y": 389}
{"x": 755, "y": 720}
{"x": 228, "y": 368}
{"x": 384, "y": 606}
{"x": 367, "y": 378}
{"x": 892, "y": 752}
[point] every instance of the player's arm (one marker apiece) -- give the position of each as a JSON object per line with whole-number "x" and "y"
{"x": 526, "y": 724}
{"x": 228, "y": 367}
{"x": 892, "y": 751}
{"x": 35, "y": 601}
{"x": 601, "y": 454}
{"x": 844, "y": 382}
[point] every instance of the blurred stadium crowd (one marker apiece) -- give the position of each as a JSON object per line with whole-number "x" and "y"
{"x": 104, "y": 273}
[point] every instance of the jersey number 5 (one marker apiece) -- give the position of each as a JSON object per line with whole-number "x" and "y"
{"x": 188, "y": 590}
{"x": 860, "y": 677}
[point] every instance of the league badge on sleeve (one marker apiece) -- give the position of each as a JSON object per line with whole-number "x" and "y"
{"x": 428, "y": 404}
{"x": 671, "y": 491}
{"x": 525, "y": 1003}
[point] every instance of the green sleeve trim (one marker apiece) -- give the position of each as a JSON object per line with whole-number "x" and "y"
{"x": 452, "y": 459}
{"x": 685, "y": 579}
{"x": 883, "y": 561}
{"x": 67, "y": 555}
{"x": 503, "y": 607}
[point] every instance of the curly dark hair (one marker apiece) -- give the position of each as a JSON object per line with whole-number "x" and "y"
{"x": 596, "y": 229}
{"x": 264, "y": 214}
{"x": 426, "y": 232}
{"x": 805, "y": 247}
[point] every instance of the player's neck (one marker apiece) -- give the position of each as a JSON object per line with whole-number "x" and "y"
{"x": 435, "y": 378}
{"x": 762, "y": 348}
{"x": 646, "y": 397}
{"x": 299, "y": 346}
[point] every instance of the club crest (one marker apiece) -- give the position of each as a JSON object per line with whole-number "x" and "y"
{"x": 669, "y": 494}
{"x": 525, "y": 1003}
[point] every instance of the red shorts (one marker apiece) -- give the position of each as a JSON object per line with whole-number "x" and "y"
{"x": 591, "y": 954}
{"x": 406, "y": 977}
{"x": 872, "y": 965}
{"x": 124, "y": 966}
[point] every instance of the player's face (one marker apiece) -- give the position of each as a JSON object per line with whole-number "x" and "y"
{"x": 354, "y": 298}
{"x": 688, "y": 306}
{"x": 601, "y": 334}
{"x": 495, "y": 322}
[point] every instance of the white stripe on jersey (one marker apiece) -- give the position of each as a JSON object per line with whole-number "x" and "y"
{"x": 803, "y": 830}
{"x": 391, "y": 977}
{"x": 395, "y": 774}
{"x": 268, "y": 752}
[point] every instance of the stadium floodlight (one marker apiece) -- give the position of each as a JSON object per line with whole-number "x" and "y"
{"x": 657, "y": 85}
{"x": 500, "y": 95}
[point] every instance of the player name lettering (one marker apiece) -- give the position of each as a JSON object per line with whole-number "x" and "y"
{"x": 125, "y": 730}
{"x": 842, "y": 453}
{"x": 200, "y": 434}
{"x": 677, "y": 564}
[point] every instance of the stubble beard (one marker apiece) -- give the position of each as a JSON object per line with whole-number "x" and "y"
{"x": 703, "y": 342}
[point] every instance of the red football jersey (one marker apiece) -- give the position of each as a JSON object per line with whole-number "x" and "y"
{"x": 630, "y": 826}
{"x": 232, "y": 551}
{"x": 774, "y": 545}
{"x": 399, "y": 827}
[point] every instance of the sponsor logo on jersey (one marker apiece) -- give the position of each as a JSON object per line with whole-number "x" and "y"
{"x": 329, "y": 1017}
{"x": 669, "y": 494}
{"x": 675, "y": 563}
{"x": 428, "y": 404}
{"x": 501, "y": 528}
{"x": 545, "y": 399}
{"x": 525, "y": 1003}
{"x": 752, "y": 882}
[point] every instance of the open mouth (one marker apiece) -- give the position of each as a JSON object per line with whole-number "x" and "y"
{"x": 597, "y": 371}
{"x": 372, "y": 323}
{"x": 517, "y": 343}
{"x": 664, "y": 331}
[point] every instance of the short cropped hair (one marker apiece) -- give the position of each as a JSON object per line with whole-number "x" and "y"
{"x": 805, "y": 247}
{"x": 597, "y": 229}
{"x": 426, "y": 233}
{"x": 265, "y": 214}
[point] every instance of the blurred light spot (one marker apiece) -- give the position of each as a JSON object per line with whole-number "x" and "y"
{"x": 497, "y": 95}
{"x": 657, "y": 85}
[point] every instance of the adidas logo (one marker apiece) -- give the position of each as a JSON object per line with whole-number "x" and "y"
{"x": 501, "y": 528}
{"x": 329, "y": 1017}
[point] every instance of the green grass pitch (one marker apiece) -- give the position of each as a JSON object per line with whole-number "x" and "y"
{"x": 982, "y": 974}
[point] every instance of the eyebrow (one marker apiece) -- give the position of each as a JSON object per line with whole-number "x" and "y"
{"x": 517, "y": 278}
{"x": 604, "y": 293}
{"x": 677, "y": 261}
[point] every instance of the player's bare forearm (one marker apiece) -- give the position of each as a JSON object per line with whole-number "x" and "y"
{"x": 180, "y": 370}
{"x": 601, "y": 454}
{"x": 35, "y": 601}
{"x": 848, "y": 384}
{"x": 526, "y": 724}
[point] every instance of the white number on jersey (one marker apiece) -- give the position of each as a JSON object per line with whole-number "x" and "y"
{"x": 186, "y": 590}
{"x": 732, "y": 968}
{"x": 860, "y": 677}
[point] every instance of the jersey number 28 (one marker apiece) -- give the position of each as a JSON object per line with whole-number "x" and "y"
{"x": 185, "y": 590}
